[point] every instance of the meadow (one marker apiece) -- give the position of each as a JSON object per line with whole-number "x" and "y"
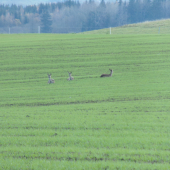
{"x": 148, "y": 27}
{"x": 118, "y": 122}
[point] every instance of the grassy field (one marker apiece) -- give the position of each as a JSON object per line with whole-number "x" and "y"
{"x": 147, "y": 27}
{"x": 119, "y": 122}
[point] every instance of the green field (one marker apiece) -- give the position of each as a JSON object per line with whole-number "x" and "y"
{"x": 118, "y": 122}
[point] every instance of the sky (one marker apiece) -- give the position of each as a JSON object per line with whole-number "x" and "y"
{"x": 33, "y": 2}
{"x": 25, "y": 2}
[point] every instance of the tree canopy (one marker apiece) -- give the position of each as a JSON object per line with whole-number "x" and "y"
{"x": 71, "y": 16}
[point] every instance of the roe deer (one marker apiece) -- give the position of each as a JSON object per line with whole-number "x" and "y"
{"x": 70, "y": 77}
{"x": 50, "y": 79}
{"x": 107, "y": 75}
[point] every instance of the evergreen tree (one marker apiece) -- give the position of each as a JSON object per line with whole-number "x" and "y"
{"x": 156, "y": 9}
{"x": 132, "y": 11}
{"x": 121, "y": 17}
{"x": 90, "y": 23}
{"x": 30, "y": 9}
{"x": 102, "y": 4}
{"x": 46, "y": 22}
{"x": 41, "y": 8}
{"x": 120, "y": 3}
{"x": 26, "y": 20}
{"x": 147, "y": 10}
{"x": 91, "y": 20}
{"x": 91, "y": 2}
{"x": 2, "y": 10}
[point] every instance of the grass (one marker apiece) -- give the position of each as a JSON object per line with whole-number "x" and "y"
{"x": 147, "y": 27}
{"x": 120, "y": 122}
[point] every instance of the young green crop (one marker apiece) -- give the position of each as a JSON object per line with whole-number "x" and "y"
{"x": 118, "y": 122}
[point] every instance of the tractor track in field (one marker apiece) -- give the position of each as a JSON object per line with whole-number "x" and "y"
{"x": 92, "y": 158}
{"x": 86, "y": 101}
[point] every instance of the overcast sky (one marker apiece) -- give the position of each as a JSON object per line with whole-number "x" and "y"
{"x": 25, "y": 2}
{"x": 35, "y": 2}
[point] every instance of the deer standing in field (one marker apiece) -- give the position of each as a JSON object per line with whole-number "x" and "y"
{"x": 107, "y": 75}
{"x": 50, "y": 79}
{"x": 70, "y": 77}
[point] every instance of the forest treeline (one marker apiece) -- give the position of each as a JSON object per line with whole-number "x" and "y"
{"x": 72, "y": 16}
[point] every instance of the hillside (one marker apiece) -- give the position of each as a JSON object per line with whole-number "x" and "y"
{"x": 148, "y": 27}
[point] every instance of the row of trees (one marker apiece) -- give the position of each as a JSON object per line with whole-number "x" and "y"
{"x": 71, "y": 16}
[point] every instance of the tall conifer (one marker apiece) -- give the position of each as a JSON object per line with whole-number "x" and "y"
{"x": 46, "y": 22}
